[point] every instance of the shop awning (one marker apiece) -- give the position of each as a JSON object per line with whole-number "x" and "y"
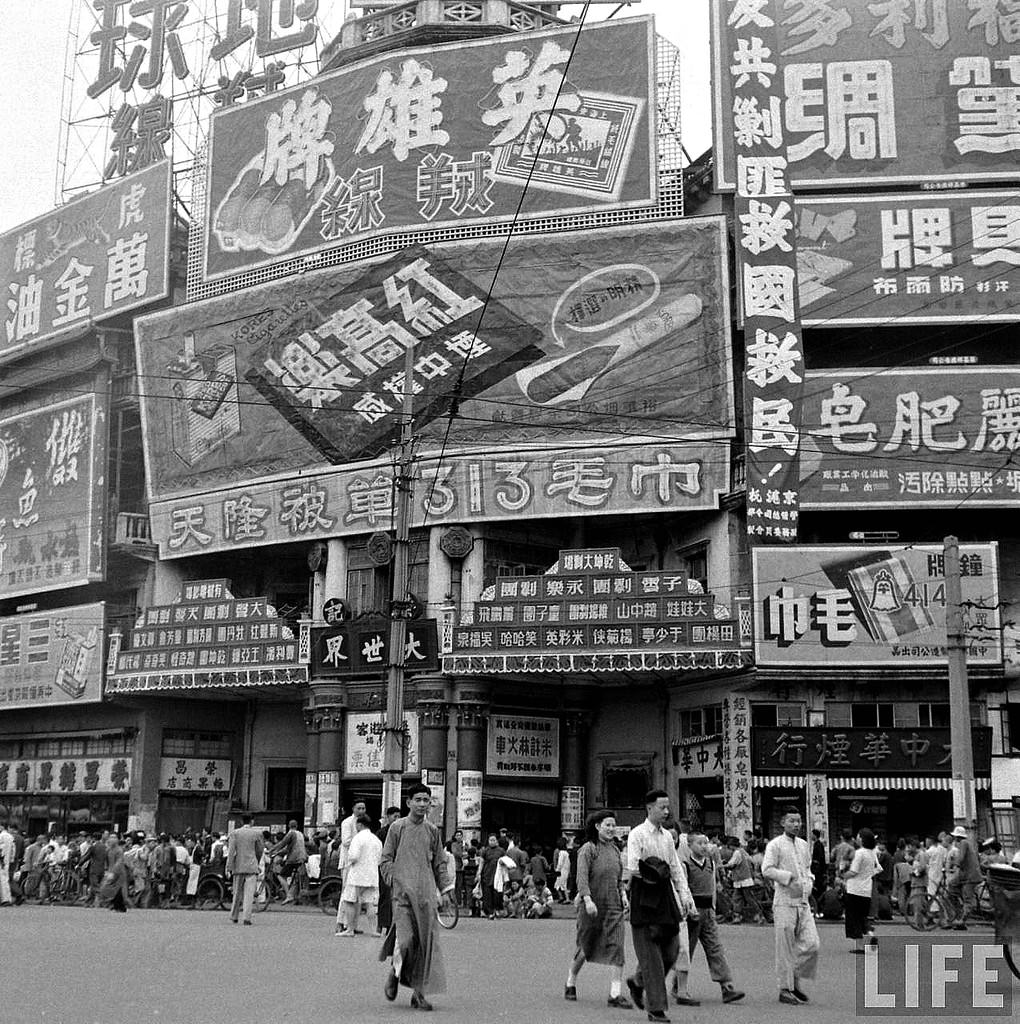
{"x": 522, "y": 791}
{"x": 866, "y": 782}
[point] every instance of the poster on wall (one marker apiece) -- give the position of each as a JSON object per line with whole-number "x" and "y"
{"x": 872, "y": 605}
{"x": 871, "y": 93}
{"x": 522, "y": 746}
{"x": 53, "y": 494}
{"x": 364, "y": 743}
{"x": 469, "y": 799}
{"x": 398, "y": 143}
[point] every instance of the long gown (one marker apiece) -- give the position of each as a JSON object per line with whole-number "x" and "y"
{"x": 600, "y": 938}
{"x": 413, "y": 864}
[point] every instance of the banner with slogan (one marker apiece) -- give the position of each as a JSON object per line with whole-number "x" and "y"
{"x": 871, "y": 605}
{"x": 871, "y": 93}
{"x": 52, "y": 493}
{"x": 596, "y": 337}
{"x": 908, "y": 259}
{"x": 52, "y": 657}
{"x": 911, "y": 437}
{"x": 399, "y": 142}
{"x": 765, "y": 214}
{"x": 90, "y": 259}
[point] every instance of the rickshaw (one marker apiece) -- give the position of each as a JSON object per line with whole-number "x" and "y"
{"x": 1004, "y": 886}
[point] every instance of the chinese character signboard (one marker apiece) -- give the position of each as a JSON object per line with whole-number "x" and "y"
{"x": 364, "y": 743}
{"x": 738, "y": 809}
{"x": 53, "y": 657}
{"x": 911, "y": 437}
{"x": 605, "y": 333}
{"x": 572, "y": 808}
{"x": 907, "y": 91}
{"x": 89, "y": 260}
{"x": 850, "y": 751}
{"x": 869, "y": 606}
{"x": 701, "y": 759}
{"x": 195, "y": 775}
{"x": 395, "y": 143}
{"x": 817, "y": 804}
{"x": 469, "y": 799}
{"x": 592, "y": 613}
{"x": 52, "y": 498}
{"x": 208, "y": 638}
{"x": 362, "y": 648}
{"x": 77, "y": 775}
{"x": 766, "y": 266}
{"x": 908, "y": 259}
{"x": 522, "y": 746}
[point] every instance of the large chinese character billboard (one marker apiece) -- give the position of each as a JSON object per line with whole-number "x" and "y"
{"x": 867, "y": 606}
{"x": 53, "y": 657}
{"x": 911, "y": 436}
{"x": 879, "y": 93}
{"x": 591, "y": 371}
{"x": 469, "y": 133}
{"x": 91, "y": 259}
{"x": 909, "y": 259}
{"x": 52, "y": 494}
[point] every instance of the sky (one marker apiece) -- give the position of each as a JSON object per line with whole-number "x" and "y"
{"x": 33, "y": 41}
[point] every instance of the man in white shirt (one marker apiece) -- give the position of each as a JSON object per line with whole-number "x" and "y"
{"x": 659, "y": 900}
{"x": 361, "y": 879}
{"x": 938, "y": 856}
{"x": 6, "y": 864}
{"x": 787, "y": 864}
{"x": 348, "y": 830}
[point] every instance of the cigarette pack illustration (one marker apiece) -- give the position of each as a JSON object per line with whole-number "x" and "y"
{"x": 75, "y": 661}
{"x": 878, "y": 583}
{"x": 203, "y": 416}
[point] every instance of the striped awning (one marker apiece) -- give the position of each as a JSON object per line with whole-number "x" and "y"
{"x": 866, "y": 782}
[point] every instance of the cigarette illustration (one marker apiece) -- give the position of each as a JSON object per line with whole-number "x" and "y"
{"x": 568, "y": 378}
{"x": 878, "y": 585}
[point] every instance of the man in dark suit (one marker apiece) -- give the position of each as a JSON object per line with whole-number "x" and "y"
{"x": 244, "y": 854}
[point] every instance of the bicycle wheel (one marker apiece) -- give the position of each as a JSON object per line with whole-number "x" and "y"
{"x": 448, "y": 913}
{"x": 329, "y": 896}
{"x": 263, "y": 897}
{"x": 1012, "y": 958}
{"x": 210, "y": 894}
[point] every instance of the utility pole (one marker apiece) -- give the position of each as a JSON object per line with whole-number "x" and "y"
{"x": 393, "y": 749}
{"x": 961, "y": 748}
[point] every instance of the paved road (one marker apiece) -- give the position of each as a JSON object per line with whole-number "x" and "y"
{"x": 70, "y": 965}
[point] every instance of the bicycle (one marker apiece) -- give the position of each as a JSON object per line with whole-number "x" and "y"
{"x": 945, "y": 908}
{"x": 447, "y": 911}
{"x": 65, "y": 885}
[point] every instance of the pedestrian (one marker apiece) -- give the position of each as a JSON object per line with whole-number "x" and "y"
{"x": 787, "y": 864}
{"x": 113, "y": 889}
{"x": 456, "y": 847}
{"x": 538, "y": 899}
{"x": 842, "y": 853}
{"x": 561, "y": 862}
{"x": 7, "y": 848}
{"x": 471, "y": 877}
{"x": 491, "y": 900}
{"x": 96, "y": 859}
{"x": 348, "y": 830}
{"x": 990, "y": 852}
{"x": 703, "y": 927}
{"x": 859, "y": 883}
{"x": 741, "y": 871}
{"x": 245, "y": 847}
{"x": 292, "y": 849}
{"x": 413, "y": 864}
{"x": 964, "y": 873}
{"x": 361, "y": 880}
{"x": 819, "y": 862}
{"x": 384, "y": 916}
{"x": 602, "y": 903}
{"x": 538, "y": 867}
{"x": 659, "y": 900}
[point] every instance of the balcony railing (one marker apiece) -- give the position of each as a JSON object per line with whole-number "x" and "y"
{"x": 451, "y": 19}
{"x": 132, "y": 529}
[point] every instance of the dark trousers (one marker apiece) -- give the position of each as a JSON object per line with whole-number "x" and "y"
{"x": 385, "y": 910}
{"x": 704, "y": 929}
{"x": 656, "y": 946}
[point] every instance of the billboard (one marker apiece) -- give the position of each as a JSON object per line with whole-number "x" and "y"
{"x": 52, "y": 494}
{"x": 566, "y": 339}
{"x": 364, "y": 742}
{"x": 871, "y": 93}
{"x": 522, "y": 746}
{"x": 470, "y": 133}
{"x": 53, "y": 657}
{"x": 361, "y": 647}
{"x": 844, "y": 606}
{"x": 908, "y": 259}
{"x": 91, "y": 259}
{"x": 918, "y": 437}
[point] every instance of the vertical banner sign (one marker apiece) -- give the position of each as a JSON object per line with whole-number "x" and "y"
{"x": 737, "y": 813}
{"x": 469, "y": 799}
{"x": 767, "y": 268}
{"x": 817, "y": 802}
{"x": 328, "y": 798}
{"x": 436, "y": 781}
{"x": 311, "y": 792}
{"x": 572, "y": 808}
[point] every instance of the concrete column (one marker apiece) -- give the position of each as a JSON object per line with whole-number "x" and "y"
{"x": 472, "y": 573}
{"x": 471, "y": 711}
{"x": 166, "y": 583}
{"x": 439, "y": 575}
{"x": 433, "y": 717}
{"x": 335, "y": 577}
{"x": 311, "y": 760}
{"x": 574, "y": 759}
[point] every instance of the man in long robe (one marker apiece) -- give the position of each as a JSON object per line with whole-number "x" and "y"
{"x": 413, "y": 865}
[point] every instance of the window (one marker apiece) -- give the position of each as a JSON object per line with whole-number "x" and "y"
{"x": 505, "y": 558}
{"x": 285, "y": 788}
{"x": 626, "y": 785}
{"x": 871, "y": 716}
{"x": 694, "y": 562}
{"x": 934, "y": 716}
{"x": 701, "y": 721}
{"x": 1010, "y": 717}
{"x": 368, "y": 585}
{"x": 1007, "y": 827}
{"x": 183, "y": 743}
{"x": 773, "y": 716}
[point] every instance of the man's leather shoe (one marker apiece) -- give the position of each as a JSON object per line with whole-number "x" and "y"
{"x": 637, "y": 993}
{"x": 570, "y": 993}
{"x": 731, "y": 995}
{"x": 798, "y": 995}
{"x": 390, "y": 988}
{"x": 620, "y": 1003}
{"x": 786, "y": 996}
{"x": 420, "y": 1002}
{"x": 658, "y": 1015}
{"x": 687, "y": 1001}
